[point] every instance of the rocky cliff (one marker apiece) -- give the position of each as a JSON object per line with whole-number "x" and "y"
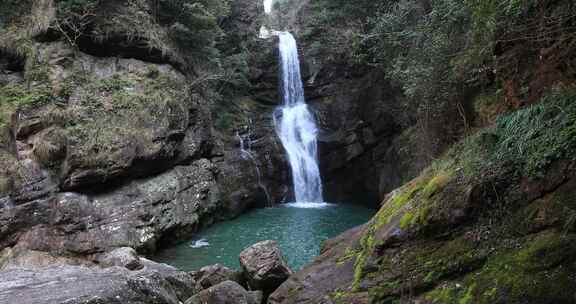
{"x": 111, "y": 130}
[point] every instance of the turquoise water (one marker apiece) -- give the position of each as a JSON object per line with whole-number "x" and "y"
{"x": 298, "y": 231}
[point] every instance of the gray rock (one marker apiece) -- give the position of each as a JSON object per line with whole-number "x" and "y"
{"x": 139, "y": 214}
{"x": 124, "y": 257}
{"x": 227, "y": 292}
{"x": 17, "y": 258}
{"x": 264, "y": 266}
{"x": 83, "y": 285}
{"x": 211, "y": 275}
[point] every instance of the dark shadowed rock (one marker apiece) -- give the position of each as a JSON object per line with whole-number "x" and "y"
{"x": 211, "y": 275}
{"x": 227, "y": 292}
{"x": 264, "y": 266}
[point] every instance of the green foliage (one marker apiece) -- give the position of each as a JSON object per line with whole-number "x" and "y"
{"x": 540, "y": 134}
{"x": 11, "y": 10}
{"x": 193, "y": 24}
{"x": 67, "y": 6}
{"x": 124, "y": 109}
{"x": 113, "y": 84}
{"x": 15, "y": 97}
{"x": 19, "y": 96}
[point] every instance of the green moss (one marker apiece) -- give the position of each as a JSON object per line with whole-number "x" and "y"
{"x": 407, "y": 220}
{"x": 398, "y": 202}
{"x": 443, "y": 295}
{"x": 451, "y": 294}
{"x": 532, "y": 274}
{"x": 436, "y": 184}
{"x": 348, "y": 254}
{"x": 410, "y": 206}
{"x": 367, "y": 247}
{"x": 487, "y": 270}
{"x": 391, "y": 209}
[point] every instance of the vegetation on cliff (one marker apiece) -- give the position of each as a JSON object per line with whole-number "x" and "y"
{"x": 444, "y": 53}
{"x": 68, "y": 104}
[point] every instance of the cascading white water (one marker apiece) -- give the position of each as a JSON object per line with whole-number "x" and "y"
{"x": 268, "y": 6}
{"x": 296, "y": 127}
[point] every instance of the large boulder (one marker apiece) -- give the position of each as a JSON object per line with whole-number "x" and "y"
{"x": 264, "y": 266}
{"x": 82, "y": 285}
{"x": 123, "y": 257}
{"x": 227, "y": 292}
{"x": 211, "y": 275}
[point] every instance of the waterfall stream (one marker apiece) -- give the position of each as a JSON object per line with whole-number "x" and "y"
{"x": 296, "y": 127}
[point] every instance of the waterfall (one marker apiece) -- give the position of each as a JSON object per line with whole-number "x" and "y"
{"x": 296, "y": 127}
{"x": 268, "y": 6}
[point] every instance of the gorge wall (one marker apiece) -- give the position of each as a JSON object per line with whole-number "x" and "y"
{"x": 122, "y": 124}
{"x": 111, "y": 131}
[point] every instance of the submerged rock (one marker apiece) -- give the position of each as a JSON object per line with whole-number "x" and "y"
{"x": 227, "y": 292}
{"x": 264, "y": 266}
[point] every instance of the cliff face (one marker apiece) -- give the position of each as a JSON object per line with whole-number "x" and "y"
{"x": 110, "y": 133}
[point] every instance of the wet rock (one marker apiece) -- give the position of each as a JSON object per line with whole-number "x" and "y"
{"x": 211, "y": 275}
{"x": 264, "y": 266}
{"x": 227, "y": 292}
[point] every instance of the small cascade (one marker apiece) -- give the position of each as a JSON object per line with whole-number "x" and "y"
{"x": 296, "y": 127}
{"x": 247, "y": 154}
